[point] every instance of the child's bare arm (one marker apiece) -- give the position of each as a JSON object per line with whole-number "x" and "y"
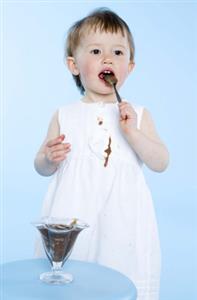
{"x": 144, "y": 141}
{"x": 53, "y": 150}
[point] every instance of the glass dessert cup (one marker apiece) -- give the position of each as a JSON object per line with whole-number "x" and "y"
{"x": 58, "y": 237}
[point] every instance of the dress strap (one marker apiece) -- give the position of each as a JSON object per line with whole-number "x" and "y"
{"x": 139, "y": 110}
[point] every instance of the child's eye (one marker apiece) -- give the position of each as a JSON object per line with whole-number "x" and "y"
{"x": 118, "y": 52}
{"x": 95, "y": 51}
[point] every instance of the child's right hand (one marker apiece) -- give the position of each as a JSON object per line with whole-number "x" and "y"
{"x": 56, "y": 151}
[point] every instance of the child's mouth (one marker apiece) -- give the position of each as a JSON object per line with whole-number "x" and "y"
{"x": 102, "y": 75}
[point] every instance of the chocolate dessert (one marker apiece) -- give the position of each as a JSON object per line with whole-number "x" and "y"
{"x": 58, "y": 240}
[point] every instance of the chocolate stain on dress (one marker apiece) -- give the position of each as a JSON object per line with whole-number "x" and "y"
{"x": 108, "y": 151}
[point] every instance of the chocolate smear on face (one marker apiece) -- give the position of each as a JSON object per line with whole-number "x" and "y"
{"x": 108, "y": 151}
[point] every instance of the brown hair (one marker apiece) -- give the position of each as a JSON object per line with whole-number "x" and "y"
{"x": 106, "y": 21}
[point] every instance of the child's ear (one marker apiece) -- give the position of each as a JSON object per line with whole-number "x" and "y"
{"x": 72, "y": 65}
{"x": 131, "y": 66}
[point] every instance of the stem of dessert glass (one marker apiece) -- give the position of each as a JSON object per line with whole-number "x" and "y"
{"x": 57, "y": 266}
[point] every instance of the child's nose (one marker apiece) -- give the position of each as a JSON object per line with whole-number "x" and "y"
{"x": 107, "y": 59}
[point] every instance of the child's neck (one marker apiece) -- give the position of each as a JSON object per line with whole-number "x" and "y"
{"x": 95, "y": 98}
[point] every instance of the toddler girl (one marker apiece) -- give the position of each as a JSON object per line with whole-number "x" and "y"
{"x": 95, "y": 148}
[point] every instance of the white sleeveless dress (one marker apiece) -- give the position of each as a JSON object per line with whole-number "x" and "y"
{"x": 102, "y": 183}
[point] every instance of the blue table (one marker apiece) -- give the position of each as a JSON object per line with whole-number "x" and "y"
{"x": 20, "y": 280}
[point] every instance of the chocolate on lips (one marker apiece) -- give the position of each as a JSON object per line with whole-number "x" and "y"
{"x": 59, "y": 240}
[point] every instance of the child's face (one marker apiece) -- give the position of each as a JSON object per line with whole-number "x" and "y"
{"x": 99, "y": 52}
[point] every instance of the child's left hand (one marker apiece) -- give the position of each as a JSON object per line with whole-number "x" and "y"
{"x": 128, "y": 117}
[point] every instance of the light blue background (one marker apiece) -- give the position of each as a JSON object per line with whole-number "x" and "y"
{"x": 36, "y": 82}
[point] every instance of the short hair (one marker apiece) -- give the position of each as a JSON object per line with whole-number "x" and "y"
{"x": 106, "y": 21}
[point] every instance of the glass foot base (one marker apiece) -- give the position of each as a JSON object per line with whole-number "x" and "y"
{"x": 56, "y": 277}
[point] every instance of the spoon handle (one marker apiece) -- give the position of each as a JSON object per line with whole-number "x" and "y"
{"x": 117, "y": 94}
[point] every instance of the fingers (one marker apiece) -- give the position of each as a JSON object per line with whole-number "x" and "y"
{"x": 126, "y": 111}
{"x": 128, "y": 117}
{"x": 56, "y": 151}
{"x": 58, "y": 156}
{"x": 56, "y": 141}
{"x": 60, "y": 147}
